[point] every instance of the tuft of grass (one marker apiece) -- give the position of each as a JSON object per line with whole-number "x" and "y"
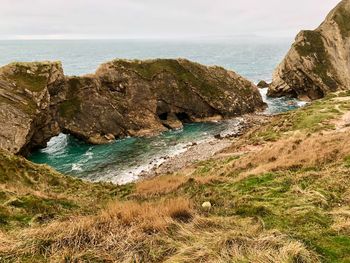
{"x": 160, "y": 186}
{"x": 120, "y": 231}
{"x": 234, "y": 239}
{"x": 347, "y": 161}
{"x": 167, "y": 184}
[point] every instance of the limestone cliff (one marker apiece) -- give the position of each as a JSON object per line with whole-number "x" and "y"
{"x": 123, "y": 98}
{"x": 319, "y": 60}
{"x": 25, "y": 104}
{"x": 142, "y": 97}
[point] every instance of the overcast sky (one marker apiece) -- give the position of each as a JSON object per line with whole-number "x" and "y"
{"x": 158, "y": 18}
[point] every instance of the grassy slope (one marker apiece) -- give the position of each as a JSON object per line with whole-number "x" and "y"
{"x": 281, "y": 193}
{"x": 33, "y": 194}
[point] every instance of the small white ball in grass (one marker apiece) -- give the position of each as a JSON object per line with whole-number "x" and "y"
{"x": 206, "y": 205}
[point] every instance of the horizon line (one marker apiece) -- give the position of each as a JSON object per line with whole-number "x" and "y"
{"x": 59, "y": 37}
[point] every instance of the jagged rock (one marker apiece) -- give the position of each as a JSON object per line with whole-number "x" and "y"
{"x": 123, "y": 98}
{"x": 319, "y": 60}
{"x": 25, "y": 104}
{"x": 146, "y": 97}
{"x": 218, "y": 137}
{"x": 263, "y": 84}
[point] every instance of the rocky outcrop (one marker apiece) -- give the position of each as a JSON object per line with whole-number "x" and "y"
{"x": 319, "y": 60}
{"x": 25, "y": 104}
{"x": 123, "y": 98}
{"x": 262, "y": 84}
{"x": 143, "y": 97}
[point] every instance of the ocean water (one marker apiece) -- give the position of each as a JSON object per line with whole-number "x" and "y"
{"x": 253, "y": 57}
{"x": 122, "y": 161}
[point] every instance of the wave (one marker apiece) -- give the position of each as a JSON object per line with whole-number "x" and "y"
{"x": 77, "y": 167}
{"x": 57, "y": 145}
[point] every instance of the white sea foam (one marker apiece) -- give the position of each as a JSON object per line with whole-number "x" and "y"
{"x": 77, "y": 167}
{"x": 302, "y": 103}
{"x": 56, "y": 145}
{"x": 89, "y": 155}
{"x": 132, "y": 174}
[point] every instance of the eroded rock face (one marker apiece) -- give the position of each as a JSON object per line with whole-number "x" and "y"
{"x": 135, "y": 98}
{"x": 319, "y": 60}
{"x": 25, "y": 104}
{"x": 123, "y": 98}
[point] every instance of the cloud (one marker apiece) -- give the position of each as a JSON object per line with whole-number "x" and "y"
{"x": 158, "y": 18}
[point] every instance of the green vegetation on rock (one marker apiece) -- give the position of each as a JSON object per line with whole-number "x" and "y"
{"x": 26, "y": 79}
{"x": 150, "y": 68}
{"x": 314, "y": 47}
{"x": 342, "y": 18}
{"x": 70, "y": 107}
{"x": 318, "y": 62}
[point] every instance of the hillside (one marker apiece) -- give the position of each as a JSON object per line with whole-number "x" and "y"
{"x": 279, "y": 193}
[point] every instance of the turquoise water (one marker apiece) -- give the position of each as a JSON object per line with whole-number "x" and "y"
{"x": 122, "y": 161}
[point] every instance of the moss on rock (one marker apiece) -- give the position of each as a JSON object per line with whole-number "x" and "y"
{"x": 342, "y": 18}
{"x": 313, "y": 47}
{"x": 186, "y": 79}
{"x": 318, "y": 62}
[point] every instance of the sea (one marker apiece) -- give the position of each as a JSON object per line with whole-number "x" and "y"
{"x": 124, "y": 160}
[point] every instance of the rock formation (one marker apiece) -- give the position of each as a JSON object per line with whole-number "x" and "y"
{"x": 262, "y": 84}
{"x": 319, "y": 60}
{"x": 123, "y": 98}
{"x": 25, "y": 104}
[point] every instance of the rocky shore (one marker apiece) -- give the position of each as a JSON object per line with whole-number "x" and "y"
{"x": 123, "y": 98}
{"x": 207, "y": 149}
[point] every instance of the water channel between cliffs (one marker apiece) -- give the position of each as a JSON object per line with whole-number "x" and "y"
{"x": 124, "y": 160}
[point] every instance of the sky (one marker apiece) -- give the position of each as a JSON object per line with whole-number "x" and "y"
{"x": 79, "y": 19}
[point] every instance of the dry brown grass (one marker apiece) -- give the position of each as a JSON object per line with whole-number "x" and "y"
{"x": 341, "y": 220}
{"x": 164, "y": 231}
{"x": 150, "y": 216}
{"x": 5, "y": 241}
{"x": 203, "y": 180}
{"x": 160, "y": 185}
{"x": 169, "y": 183}
{"x": 298, "y": 151}
{"x": 235, "y": 240}
{"x": 215, "y": 239}
{"x": 117, "y": 233}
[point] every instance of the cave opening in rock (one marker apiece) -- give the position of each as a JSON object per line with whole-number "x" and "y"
{"x": 163, "y": 116}
{"x": 183, "y": 117}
